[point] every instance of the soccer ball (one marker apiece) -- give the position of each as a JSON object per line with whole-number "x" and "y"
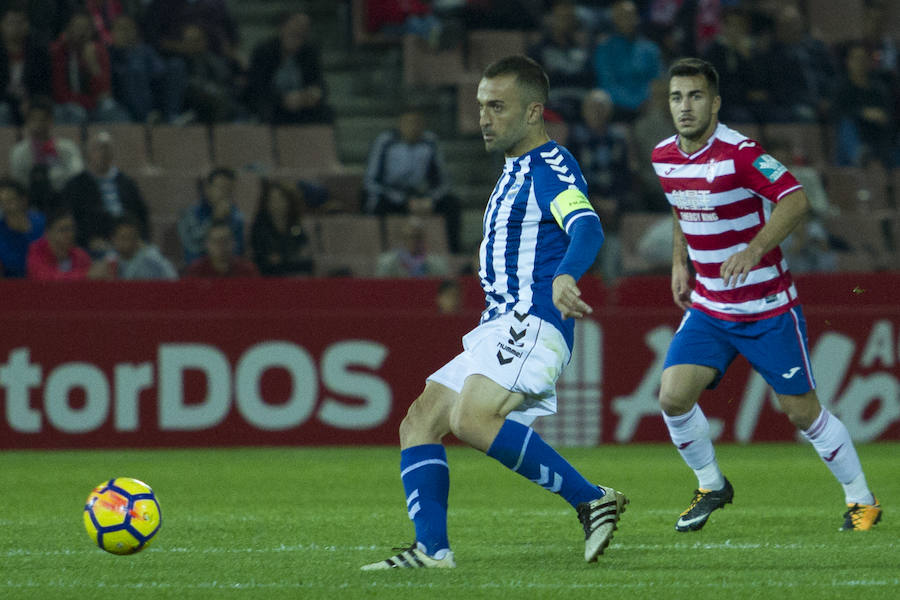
{"x": 122, "y": 515}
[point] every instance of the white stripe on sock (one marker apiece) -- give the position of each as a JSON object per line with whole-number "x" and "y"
{"x": 522, "y": 451}
{"x": 423, "y": 463}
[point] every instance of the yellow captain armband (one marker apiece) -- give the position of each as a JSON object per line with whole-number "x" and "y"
{"x": 567, "y": 202}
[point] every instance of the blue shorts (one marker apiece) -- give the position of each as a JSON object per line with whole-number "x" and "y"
{"x": 776, "y": 347}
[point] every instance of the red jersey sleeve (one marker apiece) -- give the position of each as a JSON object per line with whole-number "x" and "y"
{"x": 762, "y": 173}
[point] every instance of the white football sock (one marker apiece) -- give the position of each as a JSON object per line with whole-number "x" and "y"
{"x": 690, "y": 434}
{"x": 831, "y": 440}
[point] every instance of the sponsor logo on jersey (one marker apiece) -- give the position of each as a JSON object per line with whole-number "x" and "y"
{"x": 769, "y": 167}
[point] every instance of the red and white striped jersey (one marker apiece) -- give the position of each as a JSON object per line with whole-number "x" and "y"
{"x": 723, "y": 195}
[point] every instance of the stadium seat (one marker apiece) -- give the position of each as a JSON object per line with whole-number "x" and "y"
{"x": 347, "y": 235}
{"x": 425, "y": 67}
{"x": 634, "y": 226}
{"x": 806, "y": 140}
{"x": 308, "y": 150}
{"x": 487, "y": 45}
{"x": 164, "y": 235}
{"x": 854, "y": 189}
{"x": 467, "y": 116}
{"x": 243, "y": 146}
{"x": 435, "y": 232}
{"x": 167, "y": 194}
{"x": 865, "y": 235}
{"x": 130, "y": 144}
{"x": 343, "y": 190}
{"x": 180, "y": 149}
{"x": 836, "y": 22}
{"x": 246, "y": 194}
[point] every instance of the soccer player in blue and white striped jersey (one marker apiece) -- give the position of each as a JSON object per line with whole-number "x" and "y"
{"x": 540, "y": 236}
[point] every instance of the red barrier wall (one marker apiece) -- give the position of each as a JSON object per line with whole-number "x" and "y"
{"x": 338, "y": 361}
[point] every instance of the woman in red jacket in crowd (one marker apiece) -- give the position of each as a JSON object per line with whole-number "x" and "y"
{"x": 55, "y": 257}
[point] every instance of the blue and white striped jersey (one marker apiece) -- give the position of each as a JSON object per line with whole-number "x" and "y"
{"x": 537, "y": 198}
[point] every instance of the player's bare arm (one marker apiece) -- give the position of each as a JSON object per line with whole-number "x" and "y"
{"x": 788, "y": 213}
{"x": 681, "y": 274}
{"x": 567, "y": 297}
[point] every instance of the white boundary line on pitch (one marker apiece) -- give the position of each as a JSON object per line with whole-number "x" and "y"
{"x": 513, "y": 584}
{"x": 623, "y": 546}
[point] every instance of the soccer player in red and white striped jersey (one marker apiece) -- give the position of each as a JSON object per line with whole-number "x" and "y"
{"x": 732, "y": 205}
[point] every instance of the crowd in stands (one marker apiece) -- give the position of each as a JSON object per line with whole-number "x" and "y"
{"x": 782, "y": 81}
{"x": 71, "y": 211}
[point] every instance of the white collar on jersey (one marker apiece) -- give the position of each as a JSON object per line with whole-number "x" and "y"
{"x": 712, "y": 138}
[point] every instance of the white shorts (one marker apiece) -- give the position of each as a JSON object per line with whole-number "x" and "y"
{"x": 521, "y": 353}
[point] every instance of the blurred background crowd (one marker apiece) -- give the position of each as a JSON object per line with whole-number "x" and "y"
{"x": 157, "y": 139}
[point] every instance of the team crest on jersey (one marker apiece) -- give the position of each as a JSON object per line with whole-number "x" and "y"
{"x": 769, "y": 167}
{"x": 711, "y": 168}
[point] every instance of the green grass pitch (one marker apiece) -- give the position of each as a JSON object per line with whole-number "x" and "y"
{"x": 298, "y": 523}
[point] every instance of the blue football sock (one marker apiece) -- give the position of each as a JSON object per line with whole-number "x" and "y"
{"x": 426, "y": 481}
{"x": 521, "y": 449}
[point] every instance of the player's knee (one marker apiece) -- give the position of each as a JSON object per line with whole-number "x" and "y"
{"x": 802, "y": 411}
{"x": 465, "y": 424}
{"x": 673, "y": 404}
{"x": 424, "y": 423}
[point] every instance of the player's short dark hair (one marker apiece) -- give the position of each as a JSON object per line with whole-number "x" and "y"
{"x": 690, "y": 67}
{"x": 530, "y": 76}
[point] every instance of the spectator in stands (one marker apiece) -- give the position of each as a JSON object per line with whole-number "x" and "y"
{"x": 807, "y": 249}
{"x": 42, "y": 162}
{"x": 100, "y": 194}
{"x": 882, "y": 41}
{"x": 742, "y": 74}
{"x": 170, "y": 27}
{"x": 104, "y": 14}
{"x": 46, "y": 18}
{"x": 213, "y": 87}
{"x": 653, "y": 124}
{"x": 278, "y": 238}
{"x": 406, "y": 174}
{"x": 492, "y": 14}
{"x": 134, "y": 257}
{"x": 684, "y": 28}
{"x": 809, "y": 177}
{"x": 24, "y": 67}
{"x": 865, "y": 121}
{"x": 398, "y": 17}
{"x": 799, "y": 70}
{"x": 563, "y": 52}
{"x": 411, "y": 257}
{"x": 19, "y": 227}
{"x": 56, "y": 257}
{"x": 140, "y": 80}
{"x": 602, "y": 151}
{"x": 82, "y": 79}
{"x": 220, "y": 259}
{"x": 626, "y": 62}
{"x": 164, "y": 22}
{"x": 216, "y": 204}
{"x": 286, "y": 78}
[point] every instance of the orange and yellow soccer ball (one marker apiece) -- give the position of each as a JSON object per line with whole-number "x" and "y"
{"x": 122, "y": 515}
